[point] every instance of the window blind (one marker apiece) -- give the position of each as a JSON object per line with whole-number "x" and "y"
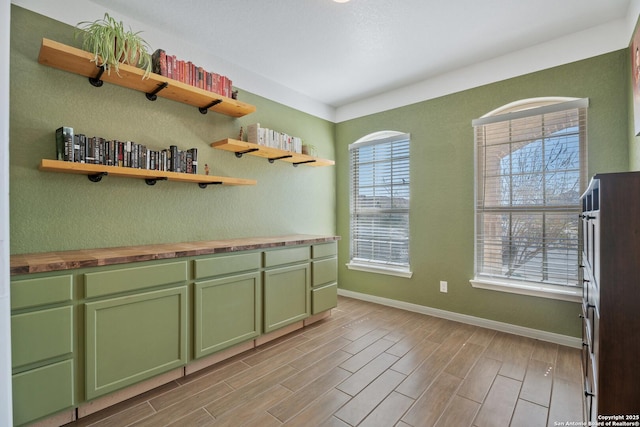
{"x": 530, "y": 173}
{"x": 379, "y": 202}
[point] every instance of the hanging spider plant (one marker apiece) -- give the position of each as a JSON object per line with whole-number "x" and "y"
{"x": 112, "y": 44}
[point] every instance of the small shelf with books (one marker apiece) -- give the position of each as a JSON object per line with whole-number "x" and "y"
{"x": 74, "y": 60}
{"x": 96, "y": 172}
{"x": 272, "y": 154}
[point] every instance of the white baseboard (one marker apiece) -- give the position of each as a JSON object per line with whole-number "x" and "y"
{"x": 471, "y": 320}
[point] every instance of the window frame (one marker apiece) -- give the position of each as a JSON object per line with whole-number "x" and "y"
{"x": 381, "y": 266}
{"x": 535, "y": 107}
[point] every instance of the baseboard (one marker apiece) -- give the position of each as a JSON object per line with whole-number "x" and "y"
{"x": 471, "y": 320}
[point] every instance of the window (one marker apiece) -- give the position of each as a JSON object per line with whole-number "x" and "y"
{"x": 379, "y": 203}
{"x": 530, "y": 173}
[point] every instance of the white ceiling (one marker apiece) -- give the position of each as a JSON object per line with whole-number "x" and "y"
{"x": 341, "y": 54}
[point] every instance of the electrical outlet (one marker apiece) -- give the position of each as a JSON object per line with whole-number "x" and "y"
{"x": 443, "y": 286}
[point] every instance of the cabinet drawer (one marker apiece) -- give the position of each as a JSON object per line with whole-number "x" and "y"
{"x": 324, "y": 250}
{"x": 324, "y": 271}
{"x": 286, "y": 256}
{"x": 221, "y": 265}
{"x": 41, "y": 335}
{"x": 130, "y": 279}
{"x": 43, "y": 391}
{"x": 45, "y": 290}
{"x": 324, "y": 298}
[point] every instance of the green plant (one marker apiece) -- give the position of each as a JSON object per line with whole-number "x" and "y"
{"x": 111, "y": 44}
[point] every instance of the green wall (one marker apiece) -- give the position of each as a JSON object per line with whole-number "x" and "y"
{"x": 52, "y": 211}
{"x": 442, "y": 183}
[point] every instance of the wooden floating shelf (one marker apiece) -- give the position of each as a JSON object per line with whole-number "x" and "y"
{"x": 68, "y": 58}
{"x": 150, "y": 176}
{"x": 272, "y": 154}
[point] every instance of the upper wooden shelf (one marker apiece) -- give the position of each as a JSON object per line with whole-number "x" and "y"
{"x": 272, "y": 154}
{"x": 96, "y": 172}
{"x": 68, "y": 58}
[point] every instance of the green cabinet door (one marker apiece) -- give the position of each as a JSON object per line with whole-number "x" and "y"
{"x": 132, "y": 338}
{"x": 286, "y": 295}
{"x": 227, "y": 311}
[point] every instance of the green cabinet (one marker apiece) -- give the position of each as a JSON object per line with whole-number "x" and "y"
{"x": 324, "y": 283}
{"x": 134, "y": 337}
{"x": 228, "y": 306}
{"x": 286, "y": 288}
{"x": 138, "y": 331}
{"x": 124, "y": 324}
{"x": 42, "y": 347}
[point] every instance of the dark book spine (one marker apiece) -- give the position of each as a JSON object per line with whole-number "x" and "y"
{"x": 82, "y": 148}
{"x": 194, "y": 161}
{"x": 64, "y": 143}
{"x": 174, "y": 162}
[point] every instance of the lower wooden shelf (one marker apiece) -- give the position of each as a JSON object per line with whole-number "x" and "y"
{"x": 272, "y": 154}
{"x": 96, "y": 172}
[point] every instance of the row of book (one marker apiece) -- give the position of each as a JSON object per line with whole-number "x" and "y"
{"x": 79, "y": 148}
{"x": 191, "y": 74}
{"x": 274, "y": 139}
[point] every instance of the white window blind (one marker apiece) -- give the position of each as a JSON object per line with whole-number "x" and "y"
{"x": 379, "y": 202}
{"x": 531, "y": 171}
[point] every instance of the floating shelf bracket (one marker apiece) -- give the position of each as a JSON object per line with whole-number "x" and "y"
{"x": 152, "y": 181}
{"x": 204, "y": 109}
{"x": 206, "y": 184}
{"x": 96, "y": 81}
{"x": 250, "y": 150}
{"x": 97, "y": 177}
{"x": 295, "y": 165}
{"x": 273, "y": 159}
{"x": 152, "y": 96}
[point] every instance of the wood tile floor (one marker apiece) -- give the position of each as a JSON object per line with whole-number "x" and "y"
{"x": 371, "y": 365}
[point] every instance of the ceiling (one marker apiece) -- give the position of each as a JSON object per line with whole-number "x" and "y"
{"x": 338, "y": 54}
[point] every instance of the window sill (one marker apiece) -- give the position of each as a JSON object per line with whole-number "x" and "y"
{"x": 562, "y": 293}
{"x": 380, "y": 270}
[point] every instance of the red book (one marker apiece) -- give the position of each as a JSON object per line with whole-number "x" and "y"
{"x": 169, "y": 66}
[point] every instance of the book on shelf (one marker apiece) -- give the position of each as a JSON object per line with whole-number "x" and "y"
{"x": 189, "y": 73}
{"x": 78, "y": 148}
{"x": 65, "y": 143}
{"x": 273, "y": 139}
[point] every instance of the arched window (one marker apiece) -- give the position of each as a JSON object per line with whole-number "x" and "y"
{"x": 379, "y": 203}
{"x": 530, "y": 173}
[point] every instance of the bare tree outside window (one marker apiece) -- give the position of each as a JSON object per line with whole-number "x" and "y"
{"x": 530, "y": 176}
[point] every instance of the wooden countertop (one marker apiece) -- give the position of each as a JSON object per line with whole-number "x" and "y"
{"x": 67, "y": 260}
